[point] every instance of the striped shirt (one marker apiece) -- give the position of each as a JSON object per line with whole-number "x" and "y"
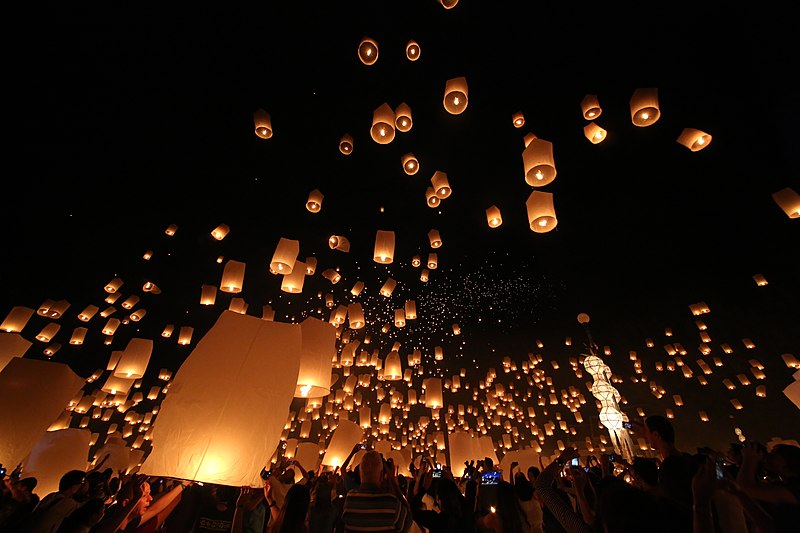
{"x": 370, "y": 508}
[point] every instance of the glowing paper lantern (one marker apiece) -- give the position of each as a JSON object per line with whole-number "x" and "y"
{"x": 293, "y": 282}
{"x": 411, "y": 310}
{"x": 55, "y": 453}
{"x": 346, "y": 435}
{"x": 383, "y": 120}
{"x": 358, "y": 286}
{"x": 433, "y": 261}
{"x": 368, "y": 51}
{"x": 541, "y": 213}
{"x": 590, "y": 107}
{"x": 346, "y": 144}
{"x": 220, "y": 232}
{"x": 48, "y": 332}
{"x": 434, "y": 238}
{"x": 423, "y": 276}
{"x": 388, "y": 287}
{"x": 403, "y": 121}
{"x": 456, "y": 95}
{"x": 594, "y": 133}
{"x": 26, "y": 421}
{"x": 331, "y": 275}
{"x": 410, "y": 164}
{"x": 171, "y": 230}
{"x": 318, "y": 345}
{"x": 693, "y": 139}
{"x": 518, "y": 119}
{"x": 134, "y": 359}
{"x": 285, "y": 256}
{"x": 311, "y": 265}
{"x": 399, "y": 318}
{"x": 314, "y": 203}
{"x": 433, "y": 393}
{"x": 788, "y": 200}
{"x": 263, "y": 124}
{"x": 229, "y": 443}
{"x": 441, "y": 185}
{"x": 16, "y": 319}
{"x": 208, "y": 294}
{"x": 185, "y": 335}
{"x": 430, "y": 197}
{"x": 12, "y": 345}
{"x": 384, "y": 247}
{"x": 113, "y": 285}
{"x": 338, "y": 242}
{"x": 413, "y": 50}
{"x": 232, "y": 277}
{"x": 644, "y": 107}
{"x": 493, "y": 217}
{"x": 538, "y": 163}
{"x": 392, "y": 367}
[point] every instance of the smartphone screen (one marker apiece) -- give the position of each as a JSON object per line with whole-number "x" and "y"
{"x": 720, "y": 471}
{"x": 437, "y": 473}
{"x": 491, "y": 478}
{"x": 576, "y": 461}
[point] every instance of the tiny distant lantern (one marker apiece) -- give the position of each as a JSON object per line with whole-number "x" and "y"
{"x": 337, "y": 242}
{"x": 293, "y": 281}
{"x": 430, "y": 197}
{"x": 232, "y": 277}
{"x": 399, "y": 318}
{"x": 410, "y": 164}
{"x": 220, "y": 232}
{"x": 113, "y": 285}
{"x": 434, "y": 238}
{"x": 518, "y": 119}
{"x": 415, "y": 261}
{"x": 151, "y": 287}
{"x": 388, "y": 287}
{"x": 456, "y": 329}
{"x": 455, "y": 95}
{"x": 441, "y": 185}
{"x": 594, "y": 133}
{"x": 411, "y": 310}
{"x": 384, "y": 247}
{"x": 263, "y": 124}
{"x": 208, "y": 294}
{"x": 314, "y": 202}
{"x": 346, "y": 144}
{"x": 171, "y": 230}
{"x": 368, "y": 51}
{"x": 331, "y": 275}
{"x": 311, "y": 265}
{"x": 644, "y": 107}
{"x": 493, "y": 216}
{"x": 403, "y": 121}
{"x": 185, "y": 335}
{"x": 541, "y": 213}
{"x": 413, "y": 50}
{"x": 285, "y": 256}
{"x": 148, "y": 255}
{"x": 383, "y": 119}
{"x": 590, "y": 107}
{"x": 788, "y": 200}
{"x": 355, "y": 316}
{"x": 17, "y": 318}
{"x": 433, "y": 261}
{"x": 694, "y": 140}
{"x": 538, "y": 162}
{"x": 760, "y": 280}
{"x": 167, "y": 332}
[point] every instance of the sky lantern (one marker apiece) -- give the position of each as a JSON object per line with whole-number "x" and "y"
{"x": 134, "y": 359}
{"x": 171, "y": 230}
{"x": 346, "y": 435}
{"x": 788, "y": 200}
{"x": 430, "y": 197}
{"x": 12, "y": 345}
{"x": 392, "y": 367}
{"x": 355, "y": 314}
{"x": 538, "y": 163}
{"x": 365, "y": 417}
{"x": 220, "y": 232}
{"x": 229, "y": 444}
{"x": 413, "y": 50}
{"x": 388, "y": 287}
{"x": 594, "y": 133}
{"x": 384, "y": 247}
{"x": 263, "y": 124}
{"x": 55, "y": 453}
{"x": 185, "y": 335}
{"x": 694, "y": 140}
{"x": 232, "y": 277}
{"x": 285, "y": 256}
{"x": 368, "y": 51}
{"x": 441, "y": 186}
{"x": 518, "y": 119}
{"x": 411, "y": 310}
{"x": 410, "y": 164}
{"x": 590, "y": 107}
{"x": 331, "y": 275}
{"x": 456, "y": 95}
{"x": 493, "y": 216}
{"x": 318, "y": 345}
{"x": 433, "y": 393}
{"x": 403, "y": 121}
{"x": 644, "y": 107}
{"x": 541, "y": 213}
{"x": 433, "y": 261}
{"x": 339, "y": 242}
{"x": 423, "y": 275}
{"x": 346, "y": 144}
{"x": 86, "y": 315}
{"x": 383, "y": 121}
{"x": 113, "y": 285}
{"x": 399, "y": 318}
{"x": 434, "y": 238}
{"x": 314, "y": 202}
{"x": 49, "y": 331}
{"x": 17, "y": 319}
{"x": 208, "y": 294}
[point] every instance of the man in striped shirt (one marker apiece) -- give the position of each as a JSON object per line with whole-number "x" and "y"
{"x": 377, "y": 504}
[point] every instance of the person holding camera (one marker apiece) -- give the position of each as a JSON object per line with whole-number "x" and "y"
{"x": 377, "y": 504}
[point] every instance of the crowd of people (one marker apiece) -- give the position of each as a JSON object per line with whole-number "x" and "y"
{"x": 744, "y": 489}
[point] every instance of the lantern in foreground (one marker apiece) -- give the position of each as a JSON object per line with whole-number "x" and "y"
{"x": 538, "y": 162}
{"x": 263, "y": 124}
{"x": 314, "y": 202}
{"x": 55, "y": 453}
{"x": 644, "y": 107}
{"x": 368, "y": 51}
{"x": 384, "y": 247}
{"x": 788, "y": 200}
{"x": 413, "y": 50}
{"x": 346, "y": 144}
{"x": 693, "y": 139}
{"x": 318, "y": 345}
{"x": 16, "y": 319}
{"x": 541, "y": 213}
{"x": 346, "y": 435}
{"x": 227, "y": 445}
{"x": 590, "y": 107}
{"x": 455, "y": 95}
{"x": 410, "y": 164}
{"x": 493, "y": 216}
{"x": 383, "y": 120}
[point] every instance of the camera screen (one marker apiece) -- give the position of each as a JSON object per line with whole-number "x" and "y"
{"x": 576, "y": 461}
{"x": 720, "y": 471}
{"x": 437, "y": 473}
{"x": 491, "y": 478}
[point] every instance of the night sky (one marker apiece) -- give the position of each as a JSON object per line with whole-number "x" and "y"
{"x": 124, "y": 123}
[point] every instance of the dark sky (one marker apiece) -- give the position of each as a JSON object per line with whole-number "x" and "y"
{"x": 123, "y": 123}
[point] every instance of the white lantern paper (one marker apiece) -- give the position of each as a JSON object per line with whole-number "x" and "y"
{"x": 346, "y": 435}
{"x": 318, "y": 347}
{"x": 235, "y": 435}
{"x": 134, "y": 359}
{"x": 26, "y": 414}
{"x": 12, "y": 345}
{"x": 56, "y": 453}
